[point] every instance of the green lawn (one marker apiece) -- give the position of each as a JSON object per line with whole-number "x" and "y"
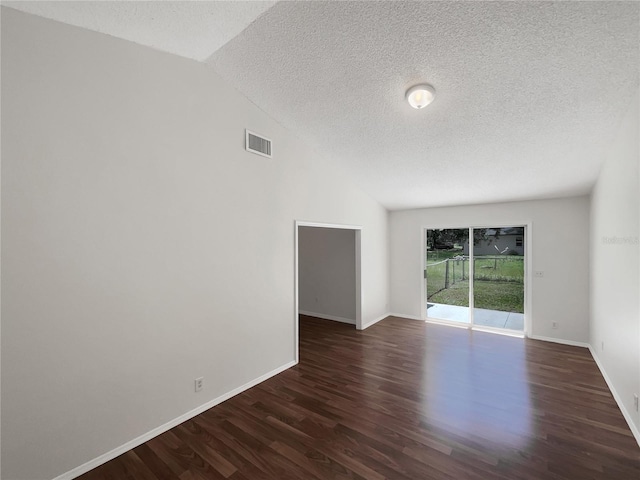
{"x": 503, "y": 296}
{"x": 508, "y": 268}
{"x": 499, "y": 281}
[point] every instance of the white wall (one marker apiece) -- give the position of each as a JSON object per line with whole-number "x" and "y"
{"x": 327, "y": 273}
{"x": 559, "y": 248}
{"x": 142, "y": 246}
{"x": 615, "y": 271}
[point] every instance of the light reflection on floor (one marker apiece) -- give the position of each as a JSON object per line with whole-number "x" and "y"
{"x": 482, "y": 388}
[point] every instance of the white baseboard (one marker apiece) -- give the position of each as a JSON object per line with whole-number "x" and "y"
{"x": 559, "y": 340}
{"x": 324, "y": 316}
{"x": 104, "y": 458}
{"x": 374, "y": 321}
{"x": 408, "y": 317}
{"x": 625, "y": 413}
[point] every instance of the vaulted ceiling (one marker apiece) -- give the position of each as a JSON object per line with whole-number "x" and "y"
{"x": 528, "y": 94}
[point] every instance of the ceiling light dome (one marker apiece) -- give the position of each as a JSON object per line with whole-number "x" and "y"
{"x": 421, "y": 95}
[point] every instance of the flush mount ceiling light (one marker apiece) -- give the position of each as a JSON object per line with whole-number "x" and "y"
{"x": 421, "y": 95}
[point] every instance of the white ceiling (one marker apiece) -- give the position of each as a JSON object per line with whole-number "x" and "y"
{"x": 529, "y": 94}
{"x": 190, "y": 29}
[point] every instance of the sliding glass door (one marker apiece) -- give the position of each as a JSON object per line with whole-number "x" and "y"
{"x": 479, "y": 284}
{"x": 498, "y": 277}
{"x": 447, "y": 274}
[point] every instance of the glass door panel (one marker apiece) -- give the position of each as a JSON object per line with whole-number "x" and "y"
{"x": 498, "y": 277}
{"x": 447, "y": 274}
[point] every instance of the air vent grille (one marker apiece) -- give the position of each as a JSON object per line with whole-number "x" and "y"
{"x": 257, "y": 144}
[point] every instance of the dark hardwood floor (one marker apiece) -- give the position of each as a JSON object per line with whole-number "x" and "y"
{"x": 404, "y": 400}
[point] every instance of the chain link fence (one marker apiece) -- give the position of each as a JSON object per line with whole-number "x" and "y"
{"x": 442, "y": 275}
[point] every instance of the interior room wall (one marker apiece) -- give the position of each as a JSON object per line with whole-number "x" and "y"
{"x": 327, "y": 273}
{"x": 142, "y": 247}
{"x": 559, "y": 249}
{"x": 615, "y": 270}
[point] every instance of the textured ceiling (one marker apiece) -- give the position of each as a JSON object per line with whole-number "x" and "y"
{"x": 190, "y": 29}
{"x": 529, "y": 94}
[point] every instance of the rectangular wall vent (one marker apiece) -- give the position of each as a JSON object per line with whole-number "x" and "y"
{"x": 257, "y": 144}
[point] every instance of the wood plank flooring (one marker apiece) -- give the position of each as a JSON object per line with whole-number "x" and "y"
{"x": 404, "y": 400}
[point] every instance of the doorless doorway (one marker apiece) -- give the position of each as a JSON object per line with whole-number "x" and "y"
{"x": 327, "y": 273}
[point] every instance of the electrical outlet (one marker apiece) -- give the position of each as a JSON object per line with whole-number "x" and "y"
{"x": 602, "y": 347}
{"x": 635, "y": 401}
{"x": 199, "y": 383}
{"x": 554, "y": 325}
{"x": 539, "y": 274}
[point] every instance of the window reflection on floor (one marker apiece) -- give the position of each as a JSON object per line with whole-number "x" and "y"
{"x": 482, "y": 388}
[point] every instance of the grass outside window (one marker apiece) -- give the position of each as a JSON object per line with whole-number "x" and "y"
{"x": 498, "y": 281}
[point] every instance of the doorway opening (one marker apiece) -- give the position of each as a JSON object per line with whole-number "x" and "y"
{"x": 327, "y": 274}
{"x": 476, "y": 277}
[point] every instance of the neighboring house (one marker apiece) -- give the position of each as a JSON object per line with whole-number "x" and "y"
{"x": 501, "y": 241}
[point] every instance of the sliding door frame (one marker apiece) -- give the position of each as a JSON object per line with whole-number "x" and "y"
{"x": 528, "y": 277}
{"x": 423, "y": 297}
